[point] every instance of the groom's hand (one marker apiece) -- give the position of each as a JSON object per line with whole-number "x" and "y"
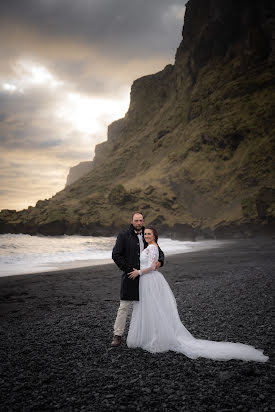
{"x": 158, "y": 264}
{"x": 133, "y": 274}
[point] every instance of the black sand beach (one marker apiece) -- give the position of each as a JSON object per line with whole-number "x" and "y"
{"x": 56, "y": 330}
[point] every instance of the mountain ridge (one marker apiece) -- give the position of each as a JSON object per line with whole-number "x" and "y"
{"x": 194, "y": 151}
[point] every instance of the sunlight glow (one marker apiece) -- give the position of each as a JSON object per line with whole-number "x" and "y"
{"x": 32, "y": 74}
{"x": 79, "y": 112}
{"x": 89, "y": 115}
{"x": 40, "y": 75}
{"x": 9, "y": 87}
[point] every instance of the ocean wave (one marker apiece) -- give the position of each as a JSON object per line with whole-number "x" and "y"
{"x": 20, "y": 253}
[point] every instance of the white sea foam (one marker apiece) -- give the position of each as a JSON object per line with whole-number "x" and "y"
{"x": 20, "y": 254}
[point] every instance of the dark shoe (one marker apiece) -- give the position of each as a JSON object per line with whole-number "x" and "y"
{"x": 116, "y": 340}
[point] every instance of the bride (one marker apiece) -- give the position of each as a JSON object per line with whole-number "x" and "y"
{"x": 155, "y": 324}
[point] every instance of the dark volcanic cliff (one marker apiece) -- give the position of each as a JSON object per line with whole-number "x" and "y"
{"x": 194, "y": 151}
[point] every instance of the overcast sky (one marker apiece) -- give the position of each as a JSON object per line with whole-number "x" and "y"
{"x": 66, "y": 68}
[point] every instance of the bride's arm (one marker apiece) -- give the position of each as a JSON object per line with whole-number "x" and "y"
{"x": 152, "y": 260}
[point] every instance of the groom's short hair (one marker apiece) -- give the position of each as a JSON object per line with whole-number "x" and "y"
{"x": 137, "y": 213}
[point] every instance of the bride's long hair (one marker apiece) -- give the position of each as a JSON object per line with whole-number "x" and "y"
{"x": 154, "y": 230}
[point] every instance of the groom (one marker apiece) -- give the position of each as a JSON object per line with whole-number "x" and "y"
{"x": 126, "y": 254}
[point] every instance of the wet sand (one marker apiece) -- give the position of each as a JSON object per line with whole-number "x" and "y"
{"x": 56, "y": 329}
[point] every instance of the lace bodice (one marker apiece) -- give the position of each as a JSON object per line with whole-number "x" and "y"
{"x": 148, "y": 255}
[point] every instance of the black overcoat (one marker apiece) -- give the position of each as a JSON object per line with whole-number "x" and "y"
{"x": 126, "y": 255}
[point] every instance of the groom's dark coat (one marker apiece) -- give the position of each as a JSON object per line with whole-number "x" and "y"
{"x": 126, "y": 255}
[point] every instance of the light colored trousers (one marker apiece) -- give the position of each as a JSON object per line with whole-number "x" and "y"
{"x": 121, "y": 317}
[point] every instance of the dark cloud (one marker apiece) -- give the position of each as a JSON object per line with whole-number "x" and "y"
{"x": 26, "y": 101}
{"x": 94, "y": 40}
{"x": 24, "y": 121}
{"x": 125, "y": 24}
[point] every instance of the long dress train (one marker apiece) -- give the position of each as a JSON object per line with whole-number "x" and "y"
{"x": 156, "y": 326}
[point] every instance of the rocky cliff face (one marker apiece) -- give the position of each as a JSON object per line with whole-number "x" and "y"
{"x": 194, "y": 152}
{"x": 76, "y": 172}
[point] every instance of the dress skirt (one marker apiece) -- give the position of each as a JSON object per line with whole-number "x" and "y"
{"x": 156, "y": 327}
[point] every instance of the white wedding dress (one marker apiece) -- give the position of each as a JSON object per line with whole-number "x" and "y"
{"x": 156, "y": 327}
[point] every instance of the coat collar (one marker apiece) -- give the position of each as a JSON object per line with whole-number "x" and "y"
{"x": 132, "y": 230}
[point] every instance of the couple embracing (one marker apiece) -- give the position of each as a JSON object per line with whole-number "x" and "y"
{"x": 155, "y": 323}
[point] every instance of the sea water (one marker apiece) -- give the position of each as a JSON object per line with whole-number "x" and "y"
{"x": 21, "y": 254}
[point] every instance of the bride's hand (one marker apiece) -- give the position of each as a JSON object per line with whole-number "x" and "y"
{"x": 133, "y": 274}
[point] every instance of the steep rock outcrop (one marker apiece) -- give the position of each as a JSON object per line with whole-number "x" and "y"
{"x": 76, "y": 172}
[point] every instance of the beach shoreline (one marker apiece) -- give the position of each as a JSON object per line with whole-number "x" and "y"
{"x": 57, "y": 328}
{"x": 52, "y": 264}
